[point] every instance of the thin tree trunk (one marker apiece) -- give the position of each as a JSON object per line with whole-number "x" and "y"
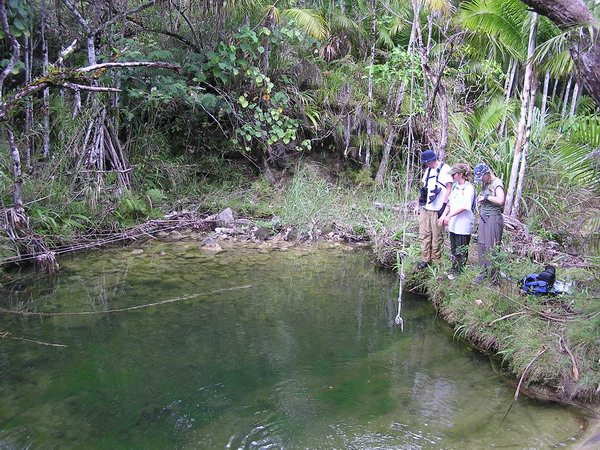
{"x": 367, "y": 162}
{"x": 565, "y": 99}
{"x": 424, "y": 53}
{"x": 545, "y": 93}
{"x": 46, "y": 91}
{"x": 508, "y": 87}
{"x": 443, "y": 143}
{"x": 392, "y": 130}
{"x": 17, "y": 180}
{"x": 574, "y": 100}
{"x": 517, "y": 200}
{"x": 28, "y": 104}
{"x": 391, "y": 136}
{"x": 555, "y": 88}
{"x": 14, "y": 43}
{"x": 525, "y": 98}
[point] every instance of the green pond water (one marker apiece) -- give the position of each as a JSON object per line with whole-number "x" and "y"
{"x": 263, "y": 348}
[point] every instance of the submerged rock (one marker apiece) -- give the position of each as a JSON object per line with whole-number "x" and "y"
{"x": 262, "y": 233}
{"x": 210, "y": 245}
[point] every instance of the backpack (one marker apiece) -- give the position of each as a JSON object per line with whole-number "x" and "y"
{"x": 539, "y": 283}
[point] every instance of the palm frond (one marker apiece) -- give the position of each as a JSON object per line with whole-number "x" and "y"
{"x": 488, "y": 118}
{"x": 578, "y": 152}
{"x": 310, "y": 20}
{"x": 500, "y": 20}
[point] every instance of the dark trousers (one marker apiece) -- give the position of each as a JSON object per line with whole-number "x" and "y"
{"x": 459, "y": 248}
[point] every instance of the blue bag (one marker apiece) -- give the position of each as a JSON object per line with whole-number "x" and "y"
{"x": 539, "y": 283}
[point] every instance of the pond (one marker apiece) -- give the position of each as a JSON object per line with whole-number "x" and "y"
{"x": 247, "y": 348}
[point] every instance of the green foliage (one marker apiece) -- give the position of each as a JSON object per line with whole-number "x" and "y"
{"x": 259, "y": 110}
{"x": 577, "y": 150}
{"x": 58, "y": 226}
{"x": 132, "y": 209}
{"x": 503, "y": 22}
{"x": 19, "y": 15}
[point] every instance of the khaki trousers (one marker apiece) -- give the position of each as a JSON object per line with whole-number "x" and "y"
{"x": 430, "y": 235}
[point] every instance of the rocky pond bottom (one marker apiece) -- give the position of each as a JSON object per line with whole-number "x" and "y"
{"x": 249, "y": 347}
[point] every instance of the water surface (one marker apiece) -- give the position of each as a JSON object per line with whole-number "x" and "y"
{"x": 260, "y": 348}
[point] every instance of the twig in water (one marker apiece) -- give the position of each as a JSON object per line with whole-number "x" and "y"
{"x": 6, "y": 335}
{"x": 148, "y": 305}
{"x": 539, "y": 353}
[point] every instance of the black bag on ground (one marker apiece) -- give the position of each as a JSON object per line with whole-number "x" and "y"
{"x": 539, "y": 283}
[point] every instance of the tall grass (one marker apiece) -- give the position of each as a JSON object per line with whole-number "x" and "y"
{"x": 312, "y": 199}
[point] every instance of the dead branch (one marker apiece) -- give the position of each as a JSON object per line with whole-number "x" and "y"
{"x": 83, "y": 87}
{"x": 6, "y": 335}
{"x": 538, "y": 354}
{"x": 110, "y": 65}
{"x": 132, "y": 308}
{"x": 564, "y": 348}
{"x": 507, "y": 317}
{"x": 71, "y": 79}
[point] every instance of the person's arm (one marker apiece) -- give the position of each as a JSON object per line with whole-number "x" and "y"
{"x": 497, "y": 198}
{"x": 448, "y": 190}
{"x": 442, "y": 219}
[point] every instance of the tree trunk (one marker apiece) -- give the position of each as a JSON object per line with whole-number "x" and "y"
{"x": 545, "y": 93}
{"x": 17, "y": 180}
{"x": 14, "y": 43}
{"x": 28, "y": 60}
{"x": 525, "y": 98}
{"x": 367, "y": 162}
{"x": 46, "y": 91}
{"x": 565, "y": 100}
{"x": 574, "y": 100}
{"x": 517, "y": 201}
{"x": 391, "y": 135}
{"x": 443, "y": 142}
{"x": 392, "y": 130}
{"x": 508, "y": 86}
{"x": 585, "y": 46}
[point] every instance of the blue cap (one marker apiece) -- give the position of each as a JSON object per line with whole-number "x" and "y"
{"x": 479, "y": 171}
{"x": 428, "y": 156}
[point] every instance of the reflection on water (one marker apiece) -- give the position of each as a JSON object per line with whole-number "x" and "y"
{"x": 307, "y": 356}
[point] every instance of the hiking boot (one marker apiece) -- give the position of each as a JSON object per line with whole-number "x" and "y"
{"x": 422, "y": 265}
{"x": 452, "y": 275}
{"x": 479, "y": 278}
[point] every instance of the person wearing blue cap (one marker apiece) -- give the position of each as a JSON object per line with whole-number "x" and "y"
{"x": 491, "y": 222}
{"x": 437, "y": 183}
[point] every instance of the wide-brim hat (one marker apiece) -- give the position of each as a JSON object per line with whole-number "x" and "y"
{"x": 428, "y": 156}
{"x": 479, "y": 171}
